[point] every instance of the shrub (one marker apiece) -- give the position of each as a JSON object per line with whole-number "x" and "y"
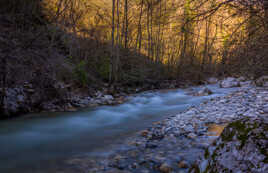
{"x": 80, "y": 73}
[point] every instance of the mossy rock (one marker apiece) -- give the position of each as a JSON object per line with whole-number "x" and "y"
{"x": 242, "y": 147}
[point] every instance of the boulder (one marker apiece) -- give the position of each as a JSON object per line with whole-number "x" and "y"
{"x": 212, "y": 80}
{"x": 204, "y": 92}
{"x": 242, "y": 147}
{"x": 15, "y": 101}
{"x": 229, "y": 82}
{"x": 245, "y": 83}
{"x": 265, "y": 110}
{"x": 98, "y": 94}
{"x": 108, "y": 97}
{"x": 49, "y": 106}
{"x": 262, "y": 81}
{"x": 242, "y": 79}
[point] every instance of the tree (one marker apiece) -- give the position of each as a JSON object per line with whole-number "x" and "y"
{"x": 3, "y": 84}
{"x": 117, "y": 61}
{"x": 111, "y": 75}
{"x": 266, "y": 12}
{"x": 187, "y": 30}
{"x": 126, "y": 23}
{"x": 139, "y": 34}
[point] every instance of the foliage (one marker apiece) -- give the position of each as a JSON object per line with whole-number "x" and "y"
{"x": 103, "y": 68}
{"x": 81, "y": 73}
{"x": 152, "y": 39}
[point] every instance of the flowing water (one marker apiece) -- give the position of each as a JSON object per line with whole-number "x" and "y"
{"x": 31, "y": 144}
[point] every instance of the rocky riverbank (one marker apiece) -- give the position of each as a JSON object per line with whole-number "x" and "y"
{"x": 58, "y": 97}
{"x": 175, "y": 144}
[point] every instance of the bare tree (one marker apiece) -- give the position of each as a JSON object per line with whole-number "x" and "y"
{"x": 3, "y": 84}
{"x": 126, "y": 23}
{"x": 139, "y": 34}
{"x": 111, "y": 74}
{"x": 117, "y": 60}
{"x": 266, "y": 12}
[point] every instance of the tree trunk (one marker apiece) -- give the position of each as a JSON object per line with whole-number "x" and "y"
{"x": 138, "y": 39}
{"x": 111, "y": 73}
{"x": 151, "y": 23}
{"x": 148, "y": 30}
{"x": 266, "y": 12}
{"x": 126, "y": 24}
{"x": 3, "y": 85}
{"x": 117, "y": 61}
{"x": 158, "y": 46}
{"x": 205, "y": 51}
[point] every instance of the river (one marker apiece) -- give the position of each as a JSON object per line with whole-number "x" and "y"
{"x": 42, "y": 141}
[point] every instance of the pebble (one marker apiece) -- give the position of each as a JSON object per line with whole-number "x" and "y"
{"x": 192, "y": 136}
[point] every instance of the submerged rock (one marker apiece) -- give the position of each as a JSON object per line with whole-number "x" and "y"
{"x": 204, "y": 92}
{"x": 242, "y": 147}
{"x": 229, "y": 83}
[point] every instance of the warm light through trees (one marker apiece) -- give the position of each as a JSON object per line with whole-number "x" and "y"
{"x": 184, "y": 35}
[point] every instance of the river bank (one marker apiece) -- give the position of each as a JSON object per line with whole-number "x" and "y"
{"x": 61, "y": 97}
{"x": 174, "y": 145}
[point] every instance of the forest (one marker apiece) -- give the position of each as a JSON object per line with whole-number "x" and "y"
{"x": 133, "y": 41}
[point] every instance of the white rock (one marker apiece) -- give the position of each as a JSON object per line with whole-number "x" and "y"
{"x": 229, "y": 83}
{"x": 262, "y": 81}
{"x": 108, "y": 97}
{"x": 245, "y": 83}
{"x": 242, "y": 79}
{"x": 212, "y": 80}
